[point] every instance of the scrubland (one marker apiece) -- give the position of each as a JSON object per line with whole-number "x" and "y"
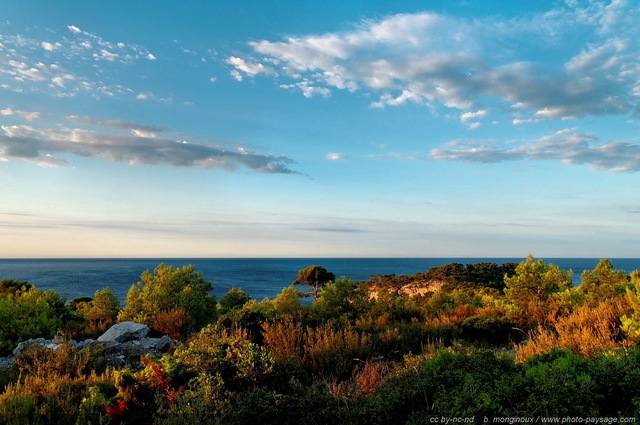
{"x": 464, "y": 341}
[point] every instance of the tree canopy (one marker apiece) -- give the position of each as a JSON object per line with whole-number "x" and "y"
{"x": 314, "y": 277}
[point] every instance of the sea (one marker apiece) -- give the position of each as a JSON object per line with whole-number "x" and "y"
{"x": 259, "y": 277}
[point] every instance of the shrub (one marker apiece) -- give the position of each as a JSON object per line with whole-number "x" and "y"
{"x": 233, "y": 299}
{"x": 559, "y": 383}
{"x": 96, "y": 314}
{"x": 164, "y": 293}
{"x": 30, "y": 313}
{"x": 585, "y": 332}
{"x": 57, "y": 387}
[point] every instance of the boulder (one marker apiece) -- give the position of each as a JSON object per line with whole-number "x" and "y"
{"x": 30, "y": 344}
{"x": 125, "y": 331}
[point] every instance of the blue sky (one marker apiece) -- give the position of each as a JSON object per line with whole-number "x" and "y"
{"x": 319, "y": 129}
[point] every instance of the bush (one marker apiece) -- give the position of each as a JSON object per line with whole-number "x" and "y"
{"x": 233, "y": 299}
{"x": 174, "y": 299}
{"x": 57, "y": 387}
{"x": 30, "y": 313}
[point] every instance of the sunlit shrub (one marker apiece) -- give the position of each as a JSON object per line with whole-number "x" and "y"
{"x": 170, "y": 288}
{"x": 30, "y": 313}
{"x": 285, "y": 339}
{"x": 332, "y": 352}
{"x": 585, "y": 332}
{"x": 57, "y": 387}
{"x": 175, "y": 323}
{"x": 94, "y": 315}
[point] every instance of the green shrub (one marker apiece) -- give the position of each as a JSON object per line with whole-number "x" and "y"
{"x": 171, "y": 296}
{"x": 233, "y": 299}
{"x": 30, "y": 313}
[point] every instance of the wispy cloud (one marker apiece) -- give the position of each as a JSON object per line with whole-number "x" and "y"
{"x": 64, "y": 64}
{"x": 439, "y": 60}
{"x": 335, "y": 156}
{"x": 29, "y": 116}
{"x": 566, "y": 145}
{"x": 140, "y": 144}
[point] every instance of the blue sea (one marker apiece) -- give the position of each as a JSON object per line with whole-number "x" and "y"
{"x": 260, "y": 278}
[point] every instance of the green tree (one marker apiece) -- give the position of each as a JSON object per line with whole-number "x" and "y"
{"x": 342, "y": 298}
{"x": 233, "y": 299}
{"x": 287, "y": 303}
{"x": 532, "y": 286}
{"x": 171, "y": 299}
{"x": 12, "y": 286}
{"x": 603, "y": 282}
{"x": 314, "y": 277}
{"x": 30, "y": 313}
{"x": 103, "y": 308}
{"x": 631, "y": 321}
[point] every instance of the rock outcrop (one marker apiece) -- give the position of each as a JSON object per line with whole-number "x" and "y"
{"x": 125, "y": 331}
{"x": 122, "y": 345}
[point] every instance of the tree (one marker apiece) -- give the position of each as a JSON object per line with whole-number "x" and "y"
{"x": 342, "y": 298}
{"x": 314, "y": 277}
{"x": 533, "y": 285}
{"x": 171, "y": 300}
{"x": 28, "y": 313}
{"x": 604, "y": 283}
{"x": 102, "y": 309}
{"x": 233, "y": 299}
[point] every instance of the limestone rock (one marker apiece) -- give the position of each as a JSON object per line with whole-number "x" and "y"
{"x": 125, "y": 331}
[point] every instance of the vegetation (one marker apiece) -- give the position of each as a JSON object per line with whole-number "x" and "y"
{"x": 174, "y": 301}
{"x": 503, "y": 342}
{"x": 314, "y": 277}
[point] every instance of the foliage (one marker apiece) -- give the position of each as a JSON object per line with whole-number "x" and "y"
{"x": 288, "y": 303}
{"x": 233, "y": 299}
{"x": 345, "y": 358}
{"x": 604, "y": 282}
{"x": 60, "y": 386}
{"x": 314, "y": 277}
{"x": 631, "y": 321}
{"x": 587, "y": 332}
{"x": 342, "y": 298}
{"x": 27, "y": 312}
{"x": 97, "y": 314}
{"x": 533, "y": 286}
{"x": 12, "y": 287}
{"x": 171, "y": 300}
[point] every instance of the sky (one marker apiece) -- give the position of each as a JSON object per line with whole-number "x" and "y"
{"x": 431, "y": 128}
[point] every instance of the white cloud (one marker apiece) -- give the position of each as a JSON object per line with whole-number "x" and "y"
{"x": 438, "y": 60}
{"x": 50, "y": 47}
{"x": 334, "y": 156}
{"x": 29, "y": 116}
{"x": 467, "y": 116}
{"x": 249, "y": 68}
{"x": 36, "y": 66}
{"x": 308, "y": 90}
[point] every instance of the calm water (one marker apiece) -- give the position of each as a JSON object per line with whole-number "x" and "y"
{"x": 258, "y": 277}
